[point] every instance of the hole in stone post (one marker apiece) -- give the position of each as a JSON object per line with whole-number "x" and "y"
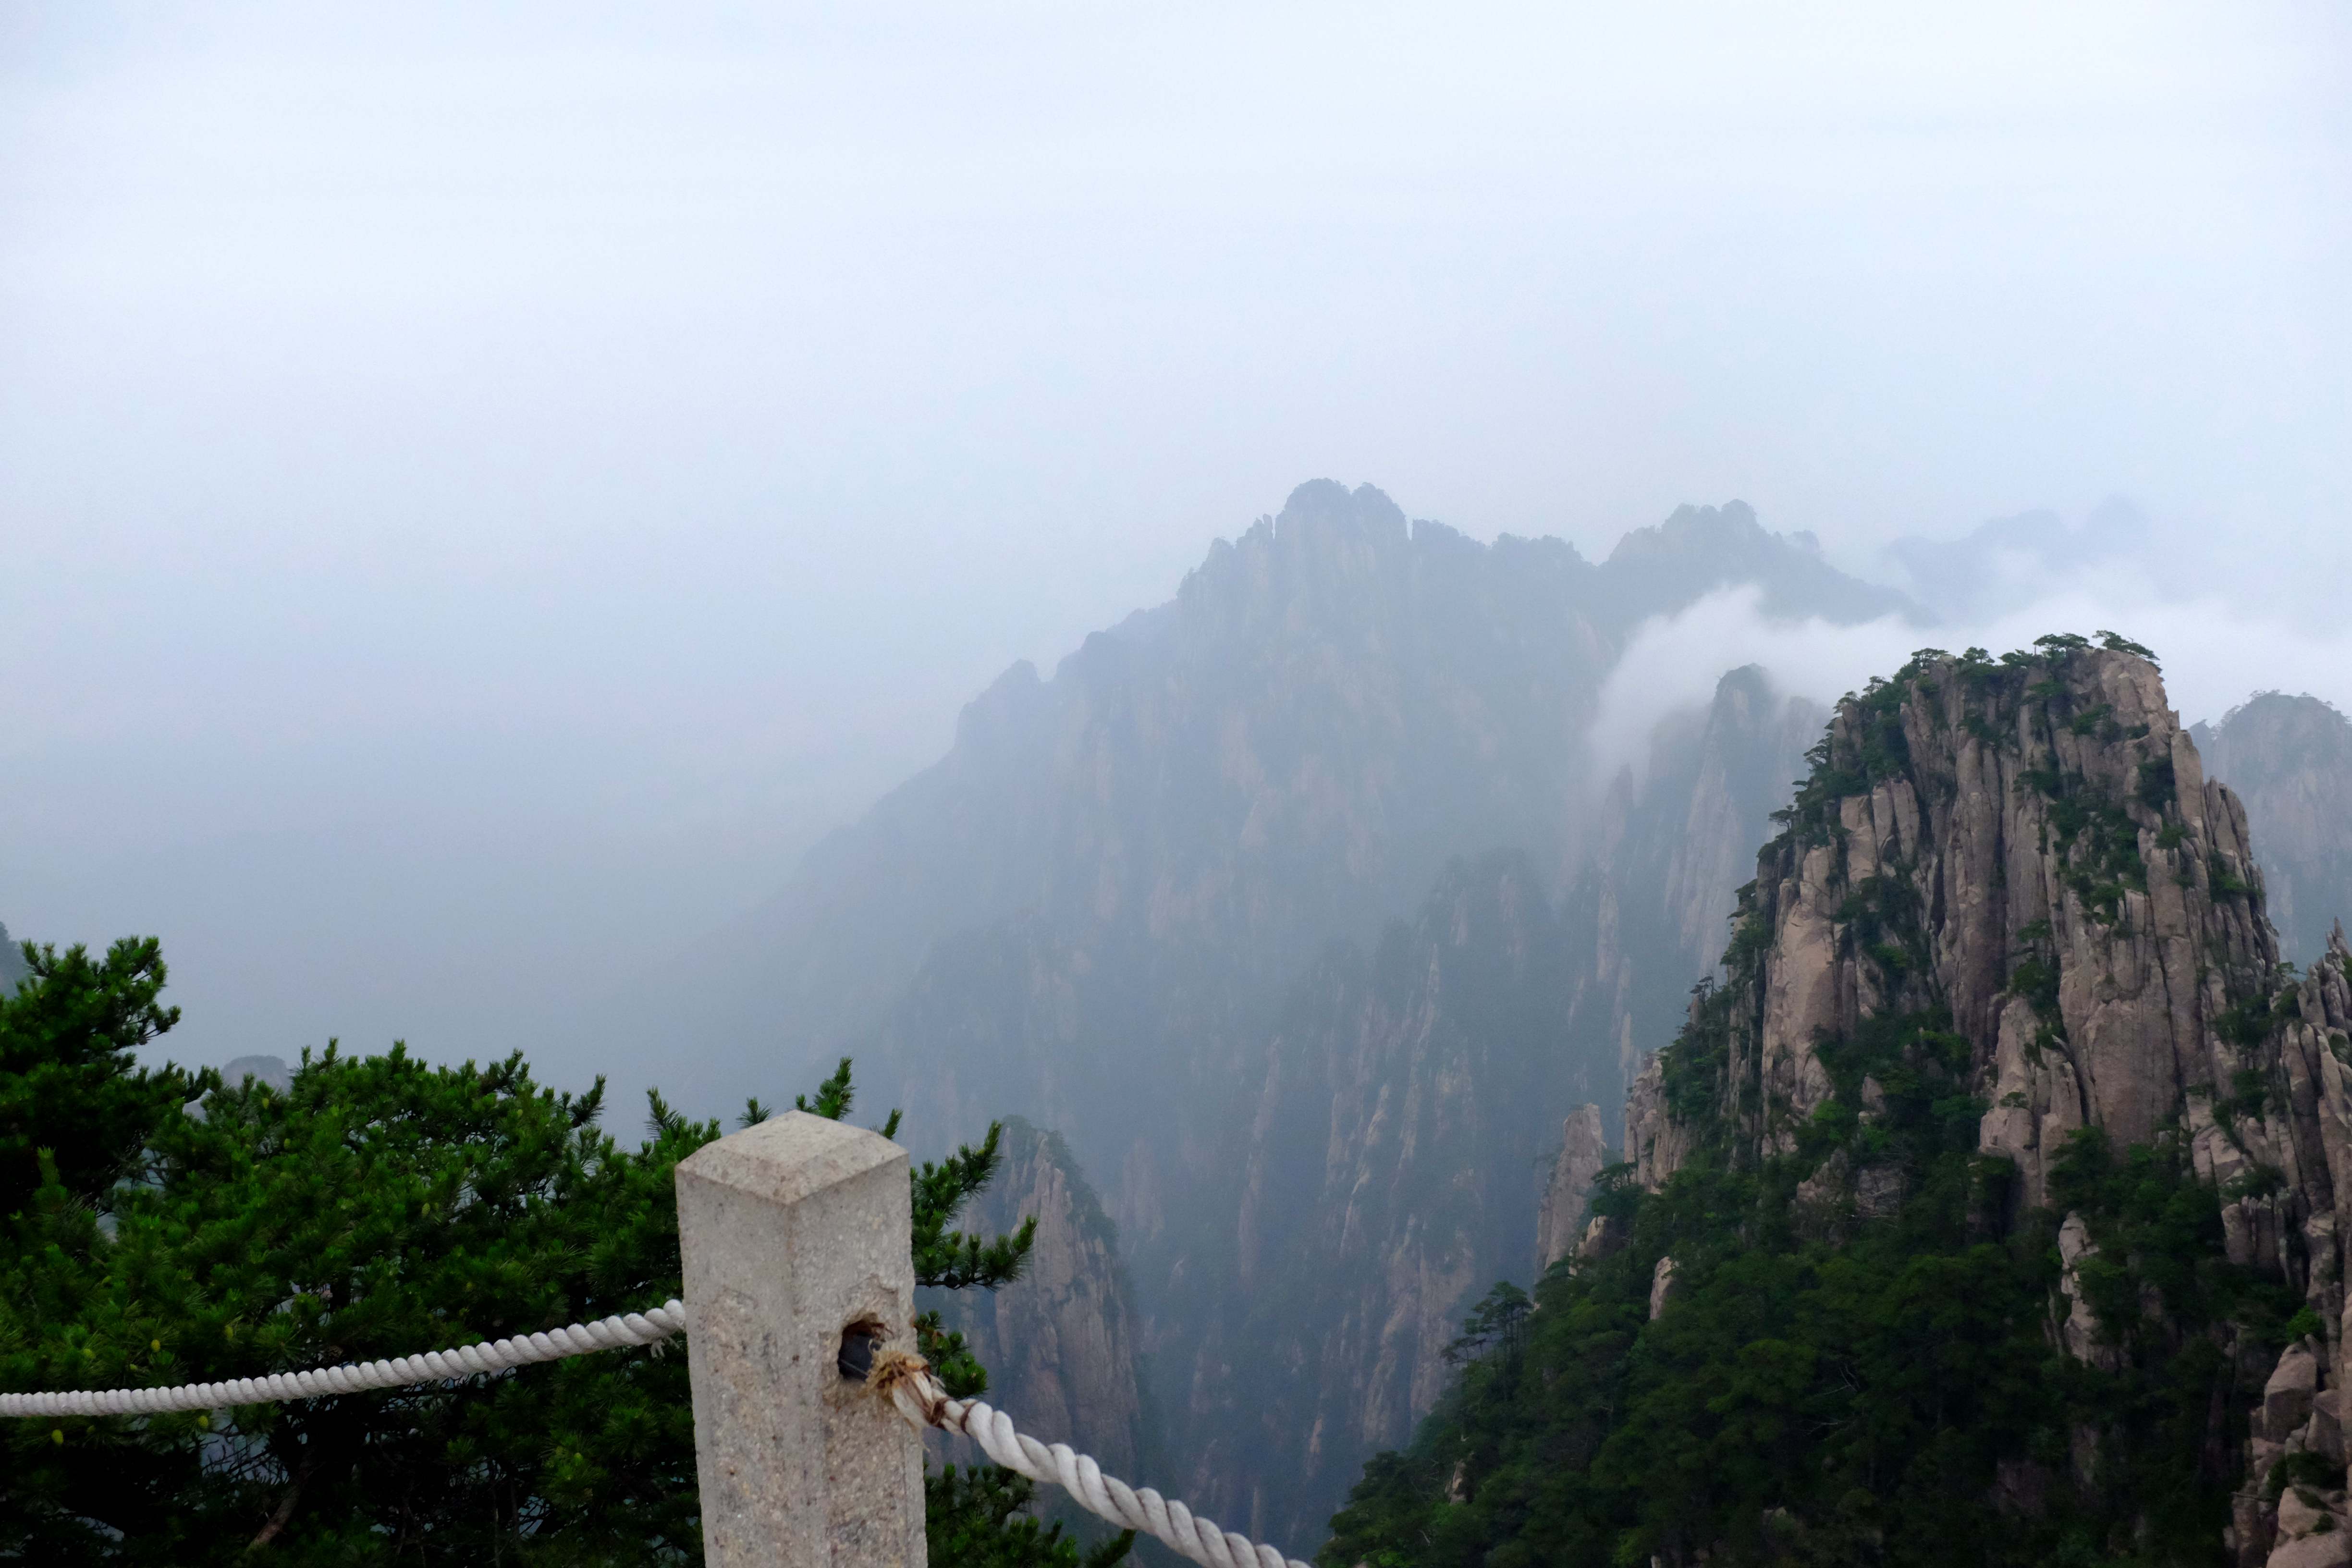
{"x": 859, "y": 1341}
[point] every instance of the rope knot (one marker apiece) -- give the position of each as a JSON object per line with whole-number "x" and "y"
{"x": 905, "y": 1379}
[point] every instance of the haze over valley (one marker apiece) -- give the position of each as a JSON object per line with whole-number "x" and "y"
{"x": 1495, "y": 675}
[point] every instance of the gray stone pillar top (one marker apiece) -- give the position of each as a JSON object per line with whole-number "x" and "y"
{"x": 792, "y": 1232}
{"x": 786, "y": 1157}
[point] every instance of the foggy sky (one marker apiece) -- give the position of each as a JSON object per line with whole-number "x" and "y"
{"x": 478, "y": 496}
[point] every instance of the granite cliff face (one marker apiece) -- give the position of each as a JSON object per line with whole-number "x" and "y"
{"x": 1059, "y": 1343}
{"x": 2290, "y": 759}
{"x": 2085, "y": 904}
{"x": 1583, "y": 1152}
{"x": 2027, "y": 860}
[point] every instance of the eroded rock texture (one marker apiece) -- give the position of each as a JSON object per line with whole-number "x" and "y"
{"x": 1060, "y": 1342}
{"x": 2030, "y": 856}
{"x": 1583, "y": 1151}
{"x": 2087, "y": 902}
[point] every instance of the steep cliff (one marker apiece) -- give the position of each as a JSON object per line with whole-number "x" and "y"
{"x": 2290, "y": 759}
{"x": 1993, "y": 1189}
{"x": 1334, "y": 704}
{"x": 2280, "y": 1144}
{"x": 1559, "y": 1220}
{"x": 2029, "y": 848}
{"x": 2030, "y": 857}
{"x": 1060, "y": 1342}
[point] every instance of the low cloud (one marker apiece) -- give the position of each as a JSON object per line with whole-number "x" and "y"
{"x": 2214, "y": 656}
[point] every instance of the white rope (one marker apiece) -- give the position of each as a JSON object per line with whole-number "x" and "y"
{"x": 434, "y": 1366}
{"x": 906, "y": 1378}
{"x": 917, "y": 1395}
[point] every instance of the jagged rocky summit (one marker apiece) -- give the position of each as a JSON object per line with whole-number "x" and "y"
{"x": 1984, "y": 1210}
{"x": 2020, "y": 867}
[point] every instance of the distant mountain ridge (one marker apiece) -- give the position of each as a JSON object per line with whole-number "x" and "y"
{"x": 2290, "y": 759}
{"x": 1706, "y": 548}
{"x": 1334, "y": 704}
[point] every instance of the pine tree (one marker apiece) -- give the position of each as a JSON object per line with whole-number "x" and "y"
{"x": 377, "y": 1206}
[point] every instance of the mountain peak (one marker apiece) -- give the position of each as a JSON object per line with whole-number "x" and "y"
{"x": 1700, "y": 549}
{"x": 2084, "y": 974}
{"x": 1697, "y": 530}
{"x": 1325, "y": 508}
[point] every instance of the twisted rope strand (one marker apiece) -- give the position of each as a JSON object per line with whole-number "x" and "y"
{"x": 645, "y": 1328}
{"x": 908, "y": 1382}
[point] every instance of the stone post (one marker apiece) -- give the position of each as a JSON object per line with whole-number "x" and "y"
{"x": 794, "y": 1232}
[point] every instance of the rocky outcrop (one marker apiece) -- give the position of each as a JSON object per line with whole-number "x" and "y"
{"x": 1662, "y": 1286}
{"x": 1657, "y": 1143}
{"x": 2078, "y": 1324}
{"x": 2290, "y": 759}
{"x": 2027, "y": 860}
{"x": 2281, "y": 1150}
{"x": 1604, "y": 1234}
{"x": 1060, "y": 1342}
{"x": 1560, "y": 1219}
{"x": 2031, "y": 848}
{"x": 2292, "y": 1512}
